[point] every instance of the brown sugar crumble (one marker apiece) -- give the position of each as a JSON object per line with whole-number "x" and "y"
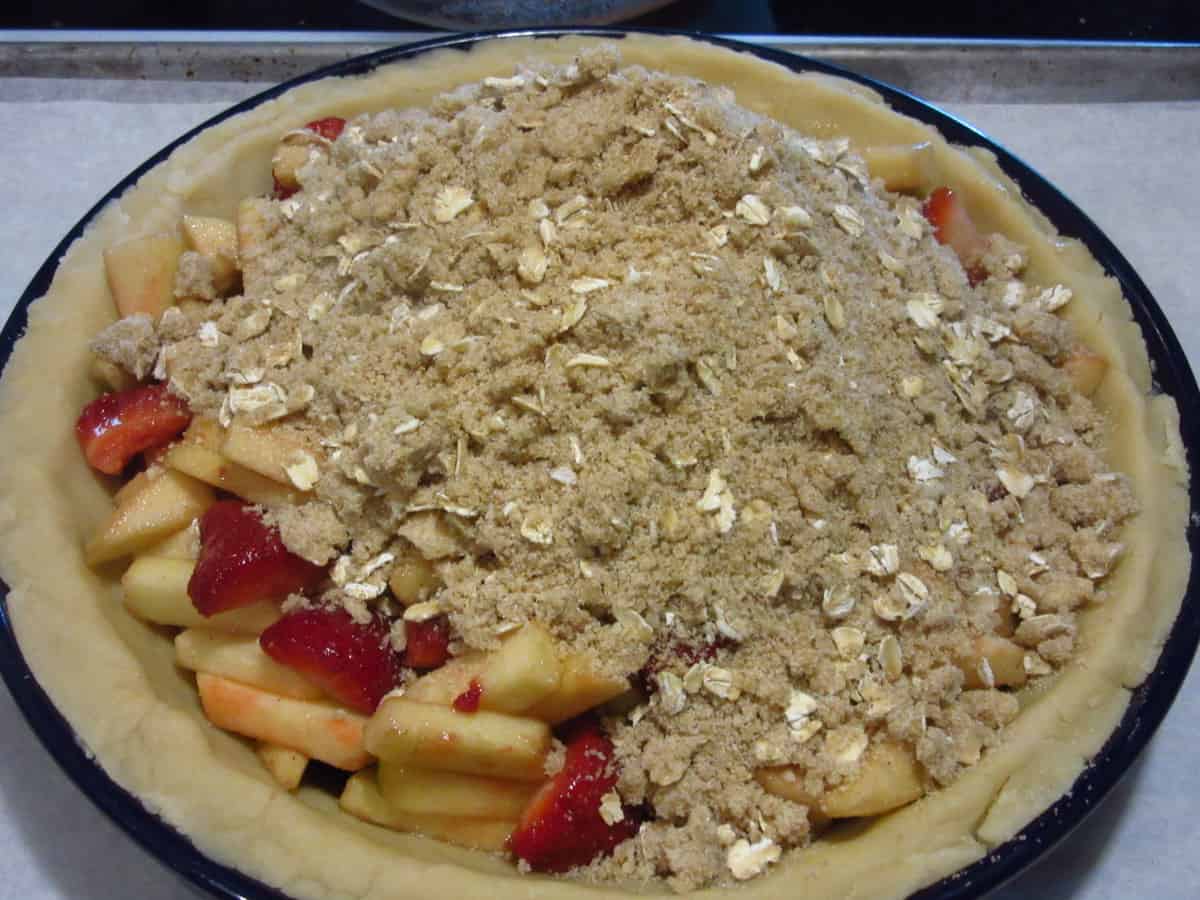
{"x": 687, "y": 387}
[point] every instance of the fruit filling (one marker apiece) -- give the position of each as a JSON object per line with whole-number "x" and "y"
{"x": 602, "y": 474}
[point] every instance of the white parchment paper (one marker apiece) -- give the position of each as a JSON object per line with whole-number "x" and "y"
{"x": 1134, "y": 168}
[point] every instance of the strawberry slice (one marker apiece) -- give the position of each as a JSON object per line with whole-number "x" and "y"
{"x": 114, "y": 428}
{"x": 427, "y": 643}
{"x": 352, "y": 662}
{"x": 243, "y": 561}
{"x": 952, "y": 226}
{"x": 561, "y": 827}
{"x": 329, "y": 127}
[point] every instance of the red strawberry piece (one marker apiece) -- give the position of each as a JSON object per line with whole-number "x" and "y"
{"x": 561, "y": 828}
{"x": 329, "y": 127}
{"x": 242, "y": 561}
{"x": 114, "y": 428}
{"x": 281, "y": 192}
{"x": 352, "y": 662}
{"x": 468, "y": 700}
{"x": 427, "y": 643}
{"x": 952, "y": 226}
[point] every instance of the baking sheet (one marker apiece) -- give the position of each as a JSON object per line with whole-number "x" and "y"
{"x": 1132, "y": 166}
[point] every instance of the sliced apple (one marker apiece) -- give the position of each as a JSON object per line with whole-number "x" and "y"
{"x": 285, "y": 764}
{"x": 155, "y": 590}
{"x": 109, "y": 375}
{"x": 580, "y": 688}
{"x": 889, "y": 777}
{"x": 442, "y": 685}
{"x": 362, "y": 798}
{"x": 217, "y": 240}
{"x": 166, "y": 504}
{"x": 141, "y": 273}
{"x": 787, "y": 782}
{"x": 267, "y": 451}
{"x": 426, "y": 792}
{"x": 212, "y": 468}
{"x": 253, "y": 235}
{"x": 413, "y": 579}
{"x": 902, "y": 167}
{"x": 135, "y": 485}
{"x": 522, "y": 672}
{"x": 1086, "y": 370}
{"x": 1005, "y": 659}
{"x": 183, "y": 544}
{"x": 319, "y": 730}
{"x": 437, "y": 737}
{"x": 286, "y": 162}
{"x": 240, "y": 658}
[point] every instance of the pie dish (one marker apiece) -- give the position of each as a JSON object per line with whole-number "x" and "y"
{"x": 1074, "y": 718}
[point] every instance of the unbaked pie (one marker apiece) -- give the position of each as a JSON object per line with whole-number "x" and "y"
{"x": 628, "y": 463}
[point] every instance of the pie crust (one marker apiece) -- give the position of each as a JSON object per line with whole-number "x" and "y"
{"x": 115, "y": 681}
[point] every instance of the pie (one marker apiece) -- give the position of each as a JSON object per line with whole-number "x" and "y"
{"x": 681, "y": 466}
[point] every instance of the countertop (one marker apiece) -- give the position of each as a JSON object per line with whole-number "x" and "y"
{"x": 1132, "y": 166}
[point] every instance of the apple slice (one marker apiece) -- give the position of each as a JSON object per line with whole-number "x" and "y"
{"x": 426, "y": 792}
{"x": 285, "y": 764}
{"x": 437, "y": 737}
{"x": 109, "y": 375}
{"x": 135, "y": 485}
{"x": 351, "y": 661}
{"x": 318, "y": 730}
{"x": 1086, "y": 370}
{"x": 183, "y": 544}
{"x": 522, "y": 672}
{"x": 114, "y": 428}
{"x": 413, "y": 579}
{"x": 215, "y": 239}
{"x": 562, "y": 827}
{"x": 361, "y": 798}
{"x": 952, "y": 225}
{"x": 267, "y": 451}
{"x": 155, "y": 590}
{"x": 240, "y": 658}
{"x": 141, "y": 273}
{"x": 902, "y": 167}
{"x": 580, "y": 688}
{"x": 787, "y": 782}
{"x": 1005, "y": 660}
{"x": 213, "y": 468}
{"x": 888, "y": 778}
{"x": 292, "y": 153}
{"x": 443, "y": 685}
{"x": 254, "y": 234}
{"x": 166, "y": 503}
{"x": 242, "y": 560}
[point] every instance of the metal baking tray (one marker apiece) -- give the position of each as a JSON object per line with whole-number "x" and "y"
{"x": 946, "y": 70}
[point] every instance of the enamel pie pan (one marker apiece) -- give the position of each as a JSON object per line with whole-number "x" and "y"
{"x": 1147, "y": 707}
